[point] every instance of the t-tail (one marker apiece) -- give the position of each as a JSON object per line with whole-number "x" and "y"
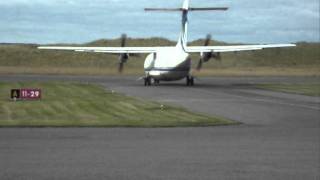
{"x": 183, "y": 38}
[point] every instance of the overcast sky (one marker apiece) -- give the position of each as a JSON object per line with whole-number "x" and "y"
{"x": 77, "y": 21}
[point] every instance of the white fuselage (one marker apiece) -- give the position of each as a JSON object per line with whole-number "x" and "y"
{"x": 171, "y": 63}
{"x": 168, "y": 64}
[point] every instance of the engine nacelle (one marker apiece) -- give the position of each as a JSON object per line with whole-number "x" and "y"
{"x": 208, "y": 55}
{"x": 123, "y": 58}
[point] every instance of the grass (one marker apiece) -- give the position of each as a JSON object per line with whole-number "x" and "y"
{"x": 86, "y": 105}
{"x": 303, "y": 60}
{"x": 304, "y": 89}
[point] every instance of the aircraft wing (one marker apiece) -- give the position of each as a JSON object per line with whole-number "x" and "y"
{"x": 235, "y": 48}
{"x": 115, "y": 50}
{"x": 144, "y": 50}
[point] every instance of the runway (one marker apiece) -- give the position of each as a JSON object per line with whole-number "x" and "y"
{"x": 279, "y": 137}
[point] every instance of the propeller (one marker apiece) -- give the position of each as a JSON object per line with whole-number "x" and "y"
{"x": 123, "y": 56}
{"x": 208, "y": 39}
{"x": 205, "y": 57}
{"x": 123, "y": 40}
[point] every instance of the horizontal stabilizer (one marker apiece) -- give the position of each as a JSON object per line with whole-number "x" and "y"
{"x": 209, "y": 9}
{"x": 189, "y": 9}
{"x": 163, "y": 9}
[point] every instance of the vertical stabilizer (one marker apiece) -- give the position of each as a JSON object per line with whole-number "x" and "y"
{"x": 185, "y": 5}
{"x": 183, "y": 39}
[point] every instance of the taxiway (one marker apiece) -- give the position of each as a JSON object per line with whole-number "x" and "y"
{"x": 279, "y": 137}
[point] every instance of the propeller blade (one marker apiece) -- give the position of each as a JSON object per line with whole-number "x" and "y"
{"x": 123, "y": 40}
{"x": 123, "y": 57}
{"x": 207, "y": 41}
{"x": 206, "y": 56}
{"x": 120, "y": 68}
{"x": 199, "y": 66}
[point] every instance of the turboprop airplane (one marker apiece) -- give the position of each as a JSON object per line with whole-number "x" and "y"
{"x": 171, "y": 63}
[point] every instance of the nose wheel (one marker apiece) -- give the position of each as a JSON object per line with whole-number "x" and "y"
{"x": 147, "y": 81}
{"x": 156, "y": 82}
{"x": 190, "y": 80}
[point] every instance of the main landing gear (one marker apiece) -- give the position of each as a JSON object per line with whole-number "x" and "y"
{"x": 147, "y": 81}
{"x": 190, "y": 80}
{"x": 156, "y": 82}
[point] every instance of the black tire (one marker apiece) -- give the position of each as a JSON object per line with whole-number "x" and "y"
{"x": 191, "y": 81}
{"x": 149, "y": 81}
{"x": 187, "y": 80}
{"x": 145, "y": 82}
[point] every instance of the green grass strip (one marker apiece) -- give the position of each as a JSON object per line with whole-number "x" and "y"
{"x": 87, "y": 105}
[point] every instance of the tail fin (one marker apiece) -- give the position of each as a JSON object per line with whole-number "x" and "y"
{"x": 183, "y": 39}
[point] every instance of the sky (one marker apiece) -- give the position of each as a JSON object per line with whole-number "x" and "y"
{"x": 79, "y": 21}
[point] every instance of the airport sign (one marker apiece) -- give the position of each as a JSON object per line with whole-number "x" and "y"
{"x": 25, "y": 94}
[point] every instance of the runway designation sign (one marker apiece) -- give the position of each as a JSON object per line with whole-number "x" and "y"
{"x": 25, "y": 94}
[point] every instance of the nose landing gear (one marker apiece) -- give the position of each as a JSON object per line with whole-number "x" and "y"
{"x": 156, "y": 82}
{"x": 190, "y": 80}
{"x": 147, "y": 81}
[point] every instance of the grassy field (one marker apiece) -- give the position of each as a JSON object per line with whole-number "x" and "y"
{"x": 85, "y": 105}
{"x": 303, "y": 60}
{"x": 304, "y": 89}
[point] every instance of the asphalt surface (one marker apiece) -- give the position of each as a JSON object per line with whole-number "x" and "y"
{"x": 279, "y": 137}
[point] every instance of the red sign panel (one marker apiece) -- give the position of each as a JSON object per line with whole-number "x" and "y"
{"x": 30, "y": 93}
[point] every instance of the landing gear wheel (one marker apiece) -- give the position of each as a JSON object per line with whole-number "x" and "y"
{"x": 147, "y": 81}
{"x": 190, "y": 81}
{"x": 156, "y": 82}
